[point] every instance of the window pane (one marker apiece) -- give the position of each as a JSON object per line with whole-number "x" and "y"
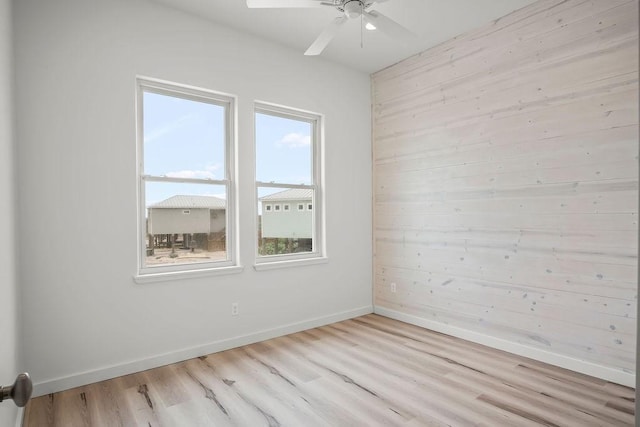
{"x": 281, "y": 228}
{"x": 283, "y": 150}
{"x": 183, "y": 138}
{"x": 185, "y": 223}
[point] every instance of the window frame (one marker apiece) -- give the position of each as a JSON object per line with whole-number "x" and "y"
{"x": 229, "y": 103}
{"x": 318, "y": 252}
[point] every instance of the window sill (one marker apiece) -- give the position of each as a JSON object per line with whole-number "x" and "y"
{"x": 186, "y": 274}
{"x": 272, "y": 265}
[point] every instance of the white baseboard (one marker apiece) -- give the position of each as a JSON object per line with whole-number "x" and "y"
{"x": 577, "y": 365}
{"x": 105, "y": 373}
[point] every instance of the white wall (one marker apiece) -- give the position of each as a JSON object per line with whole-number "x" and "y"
{"x": 9, "y": 342}
{"x": 76, "y": 65}
{"x": 506, "y": 186}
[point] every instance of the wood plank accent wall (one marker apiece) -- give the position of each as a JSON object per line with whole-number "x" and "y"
{"x": 506, "y": 182}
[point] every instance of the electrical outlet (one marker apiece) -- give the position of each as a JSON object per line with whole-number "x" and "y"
{"x": 234, "y": 309}
{"x": 393, "y": 287}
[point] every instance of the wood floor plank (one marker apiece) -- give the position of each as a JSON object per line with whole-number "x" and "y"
{"x": 291, "y": 365}
{"x": 394, "y": 378}
{"x": 368, "y": 371}
{"x": 141, "y": 406}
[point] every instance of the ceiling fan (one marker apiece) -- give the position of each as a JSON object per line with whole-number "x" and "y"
{"x": 350, "y": 10}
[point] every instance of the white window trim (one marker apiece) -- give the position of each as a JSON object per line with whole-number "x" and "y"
{"x": 277, "y": 207}
{"x": 318, "y": 254}
{"x": 298, "y": 206}
{"x": 286, "y": 207}
{"x": 169, "y": 272}
{"x": 187, "y": 274}
{"x": 276, "y": 264}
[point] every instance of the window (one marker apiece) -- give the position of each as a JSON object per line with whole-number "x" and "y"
{"x": 276, "y": 208}
{"x": 185, "y": 181}
{"x": 309, "y": 207}
{"x": 267, "y": 208}
{"x": 288, "y": 173}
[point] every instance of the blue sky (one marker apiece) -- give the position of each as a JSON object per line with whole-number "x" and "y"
{"x": 283, "y": 150}
{"x": 184, "y": 138}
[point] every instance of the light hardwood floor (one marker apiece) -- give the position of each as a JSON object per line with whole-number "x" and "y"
{"x": 367, "y": 371}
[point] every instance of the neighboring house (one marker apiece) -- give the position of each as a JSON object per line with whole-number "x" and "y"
{"x": 288, "y": 214}
{"x": 187, "y": 216}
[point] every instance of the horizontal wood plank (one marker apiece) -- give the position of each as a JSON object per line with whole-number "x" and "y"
{"x": 506, "y": 181}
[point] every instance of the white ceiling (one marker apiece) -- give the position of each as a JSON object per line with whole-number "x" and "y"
{"x": 433, "y": 21}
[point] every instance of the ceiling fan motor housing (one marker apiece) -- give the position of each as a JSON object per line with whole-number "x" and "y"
{"x": 353, "y": 8}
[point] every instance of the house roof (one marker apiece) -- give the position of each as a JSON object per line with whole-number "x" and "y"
{"x": 185, "y": 201}
{"x": 292, "y": 194}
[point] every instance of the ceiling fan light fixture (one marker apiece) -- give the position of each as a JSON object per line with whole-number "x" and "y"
{"x": 353, "y": 9}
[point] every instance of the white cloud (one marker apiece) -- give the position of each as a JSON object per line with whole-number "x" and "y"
{"x": 294, "y": 140}
{"x": 207, "y": 173}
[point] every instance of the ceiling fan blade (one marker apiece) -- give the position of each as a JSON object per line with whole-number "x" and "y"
{"x": 326, "y": 36}
{"x": 387, "y": 25}
{"x": 261, "y": 4}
